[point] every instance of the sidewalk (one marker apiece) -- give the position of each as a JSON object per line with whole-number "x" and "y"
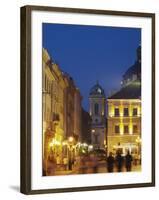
{"x": 89, "y": 170}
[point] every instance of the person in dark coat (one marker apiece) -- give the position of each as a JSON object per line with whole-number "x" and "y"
{"x": 110, "y": 162}
{"x": 128, "y": 161}
{"x": 119, "y": 161}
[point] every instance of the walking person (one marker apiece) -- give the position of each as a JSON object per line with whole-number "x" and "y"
{"x": 128, "y": 161}
{"x": 65, "y": 162}
{"x": 110, "y": 162}
{"x": 119, "y": 161}
{"x": 94, "y": 161}
{"x": 51, "y": 165}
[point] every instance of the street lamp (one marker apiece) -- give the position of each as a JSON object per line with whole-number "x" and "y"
{"x": 70, "y": 139}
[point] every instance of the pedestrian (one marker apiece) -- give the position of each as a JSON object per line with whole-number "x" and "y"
{"x": 82, "y": 165}
{"x": 119, "y": 161}
{"x": 51, "y": 165}
{"x": 95, "y": 164}
{"x": 58, "y": 161}
{"x": 110, "y": 162}
{"x": 65, "y": 162}
{"x": 70, "y": 164}
{"x": 128, "y": 161}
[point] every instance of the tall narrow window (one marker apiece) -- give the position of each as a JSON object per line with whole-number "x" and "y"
{"x": 126, "y": 129}
{"x": 117, "y": 129}
{"x": 96, "y": 109}
{"x": 135, "y": 128}
{"x": 126, "y": 112}
{"x": 116, "y": 111}
{"x": 134, "y": 111}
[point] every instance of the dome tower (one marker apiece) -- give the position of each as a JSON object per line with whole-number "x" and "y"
{"x": 97, "y": 111}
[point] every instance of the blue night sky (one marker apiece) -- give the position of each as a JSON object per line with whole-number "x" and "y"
{"x": 91, "y": 53}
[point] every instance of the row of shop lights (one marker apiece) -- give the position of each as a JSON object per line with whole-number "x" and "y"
{"x": 55, "y": 142}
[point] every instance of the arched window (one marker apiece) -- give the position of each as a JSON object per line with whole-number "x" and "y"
{"x": 96, "y": 108}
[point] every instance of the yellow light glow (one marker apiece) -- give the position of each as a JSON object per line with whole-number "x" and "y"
{"x": 121, "y": 133}
{"x": 121, "y": 129}
{"x": 93, "y": 130}
{"x": 85, "y": 145}
{"x": 138, "y": 139}
{"x": 54, "y": 142}
{"x": 90, "y": 146}
{"x": 121, "y": 109}
{"x": 51, "y": 144}
{"x": 138, "y": 110}
{"x": 57, "y": 143}
{"x": 130, "y": 129}
{"x": 130, "y": 110}
{"x": 64, "y": 143}
{"x": 70, "y": 139}
{"x": 111, "y": 110}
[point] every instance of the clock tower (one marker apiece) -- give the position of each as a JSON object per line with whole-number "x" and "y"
{"x": 97, "y": 110}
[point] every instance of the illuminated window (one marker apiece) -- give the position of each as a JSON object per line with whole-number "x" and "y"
{"x": 135, "y": 129}
{"x": 126, "y": 112}
{"x": 126, "y": 129}
{"x": 96, "y": 108}
{"x": 134, "y": 111}
{"x": 117, "y": 129}
{"x": 116, "y": 112}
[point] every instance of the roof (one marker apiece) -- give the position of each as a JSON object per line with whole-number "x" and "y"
{"x": 131, "y": 91}
{"x": 97, "y": 90}
{"x": 134, "y": 69}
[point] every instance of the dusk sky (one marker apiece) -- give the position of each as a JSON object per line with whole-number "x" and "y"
{"x": 91, "y": 53}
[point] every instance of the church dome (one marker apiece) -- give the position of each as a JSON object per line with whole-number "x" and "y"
{"x": 97, "y": 90}
{"x": 134, "y": 72}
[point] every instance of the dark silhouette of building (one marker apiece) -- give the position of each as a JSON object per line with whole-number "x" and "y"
{"x": 86, "y": 127}
{"x": 134, "y": 72}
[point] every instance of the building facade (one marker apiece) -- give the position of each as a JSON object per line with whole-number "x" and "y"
{"x": 97, "y": 112}
{"x": 57, "y": 104}
{"x": 124, "y": 125}
{"x": 47, "y": 132}
{"x": 77, "y": 114}
{"x": 124, "y": 112}
{"x": 61, "y": 115}
{"x": 73, "y": 109}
